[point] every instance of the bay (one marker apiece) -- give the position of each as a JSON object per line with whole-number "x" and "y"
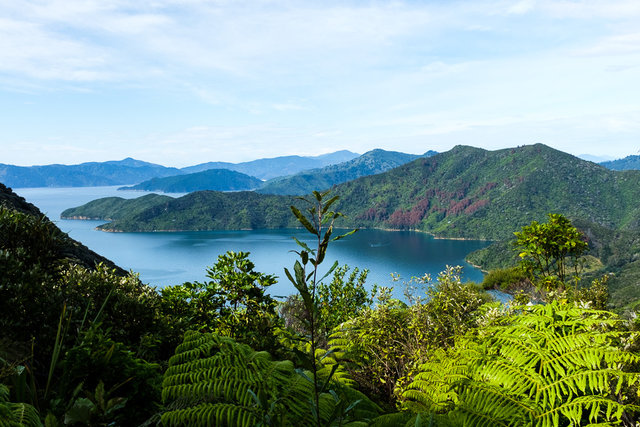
{"x": 164, "y": 258}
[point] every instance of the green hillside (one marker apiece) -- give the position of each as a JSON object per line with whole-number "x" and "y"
{"x": 111, "y": 208}
{"x": 212, "y": 179}
{"x": 202, "y": 210}
{"x": 24, "y": 226}
{"x": 370, "y": 163}
{"x": 464, "y": 193}
{"x": 473, "y": 193}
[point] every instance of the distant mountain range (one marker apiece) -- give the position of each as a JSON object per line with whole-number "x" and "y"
{"x": 370, "y": 163}
{"x": 628, "y": 163}
{"x": 130, "y": 171}
{"x": 212, "y": 179}
{"x": 277, "y": 166}
{"x": 127, "y": 171}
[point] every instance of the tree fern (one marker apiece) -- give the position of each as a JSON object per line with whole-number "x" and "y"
{"x": 226, "y": 383}
{"x": 549, "y": 365}
{"x": 16, "y": 414}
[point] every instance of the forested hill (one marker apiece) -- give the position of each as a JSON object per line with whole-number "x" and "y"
{"x": 473, "y": 193}
{"x": 201, "y": 210}
{"x": 212, "y": 179}
{"x": 370, "y": 163}
{"x": 28, "y": 228}
{"x": 463, "y": 193}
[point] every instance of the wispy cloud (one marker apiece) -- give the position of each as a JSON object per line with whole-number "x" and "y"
{"x": 246, "y": 78}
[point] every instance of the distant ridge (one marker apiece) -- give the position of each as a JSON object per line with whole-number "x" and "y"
{"x": 628, "y": 163}
{"x": 277, "y": 166}
{"x": 117, "y": 172}
{"x": 370, "y": 163}
{"x": 131, "y": 171}
{"x": 211, "y": 179}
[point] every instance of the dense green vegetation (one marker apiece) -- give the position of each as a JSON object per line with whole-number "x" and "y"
{"x": 202, "y": 210}
{"x": 84, "y": 344}
{"x": 211, "y": 179}
{"x": 370, "y": 163}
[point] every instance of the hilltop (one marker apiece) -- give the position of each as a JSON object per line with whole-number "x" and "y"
{"x": 211, "y": 179}
{"x": 370, "y": 163}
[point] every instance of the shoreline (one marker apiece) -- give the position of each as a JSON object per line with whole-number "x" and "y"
{"x": 436, "y": 237}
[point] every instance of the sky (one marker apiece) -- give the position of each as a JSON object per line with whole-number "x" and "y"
{"x": 189, "y": 81}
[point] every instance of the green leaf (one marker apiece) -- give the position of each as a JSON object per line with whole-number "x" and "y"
{"x": 342, "y": 236}
{"x": 303, "y": 245}
{"x": 304, "y": 221}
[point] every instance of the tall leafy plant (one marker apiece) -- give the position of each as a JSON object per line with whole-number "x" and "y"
{"x": 318, "y": 219}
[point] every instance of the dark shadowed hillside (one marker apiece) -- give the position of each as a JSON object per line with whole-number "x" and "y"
{"x": 64, "y": 248}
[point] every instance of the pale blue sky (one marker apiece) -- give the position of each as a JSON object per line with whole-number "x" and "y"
{"x": 188, "y": 81}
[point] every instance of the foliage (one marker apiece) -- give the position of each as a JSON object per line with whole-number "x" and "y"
{"x": 338, "y": 301}
{"x": 383, "y": 344}
{"x": 318, "y": 220}
{"x": 96, "y": 409}
{"x": 42, "y": 274}
{"x": 595, "y": 296}
{"x": 233, "y": 303}
{"x": 16, "y": 414}
{"x": 549, "y": 250}
{"x": 505, "y": 278}
{"x": 220, "y": 382}
{"x": 30, "y": 259}
{"x": 108, "y": 370}
{"x": 546, "y": 365}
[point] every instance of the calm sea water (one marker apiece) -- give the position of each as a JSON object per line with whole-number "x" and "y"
{"x": 172, "y": 258}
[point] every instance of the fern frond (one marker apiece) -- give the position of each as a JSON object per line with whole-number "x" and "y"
{"x": 227, "y": 383}
{"x": 549, "y": 365}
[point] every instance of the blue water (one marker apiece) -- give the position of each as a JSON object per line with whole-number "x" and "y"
{"x": 164, "y": 259}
